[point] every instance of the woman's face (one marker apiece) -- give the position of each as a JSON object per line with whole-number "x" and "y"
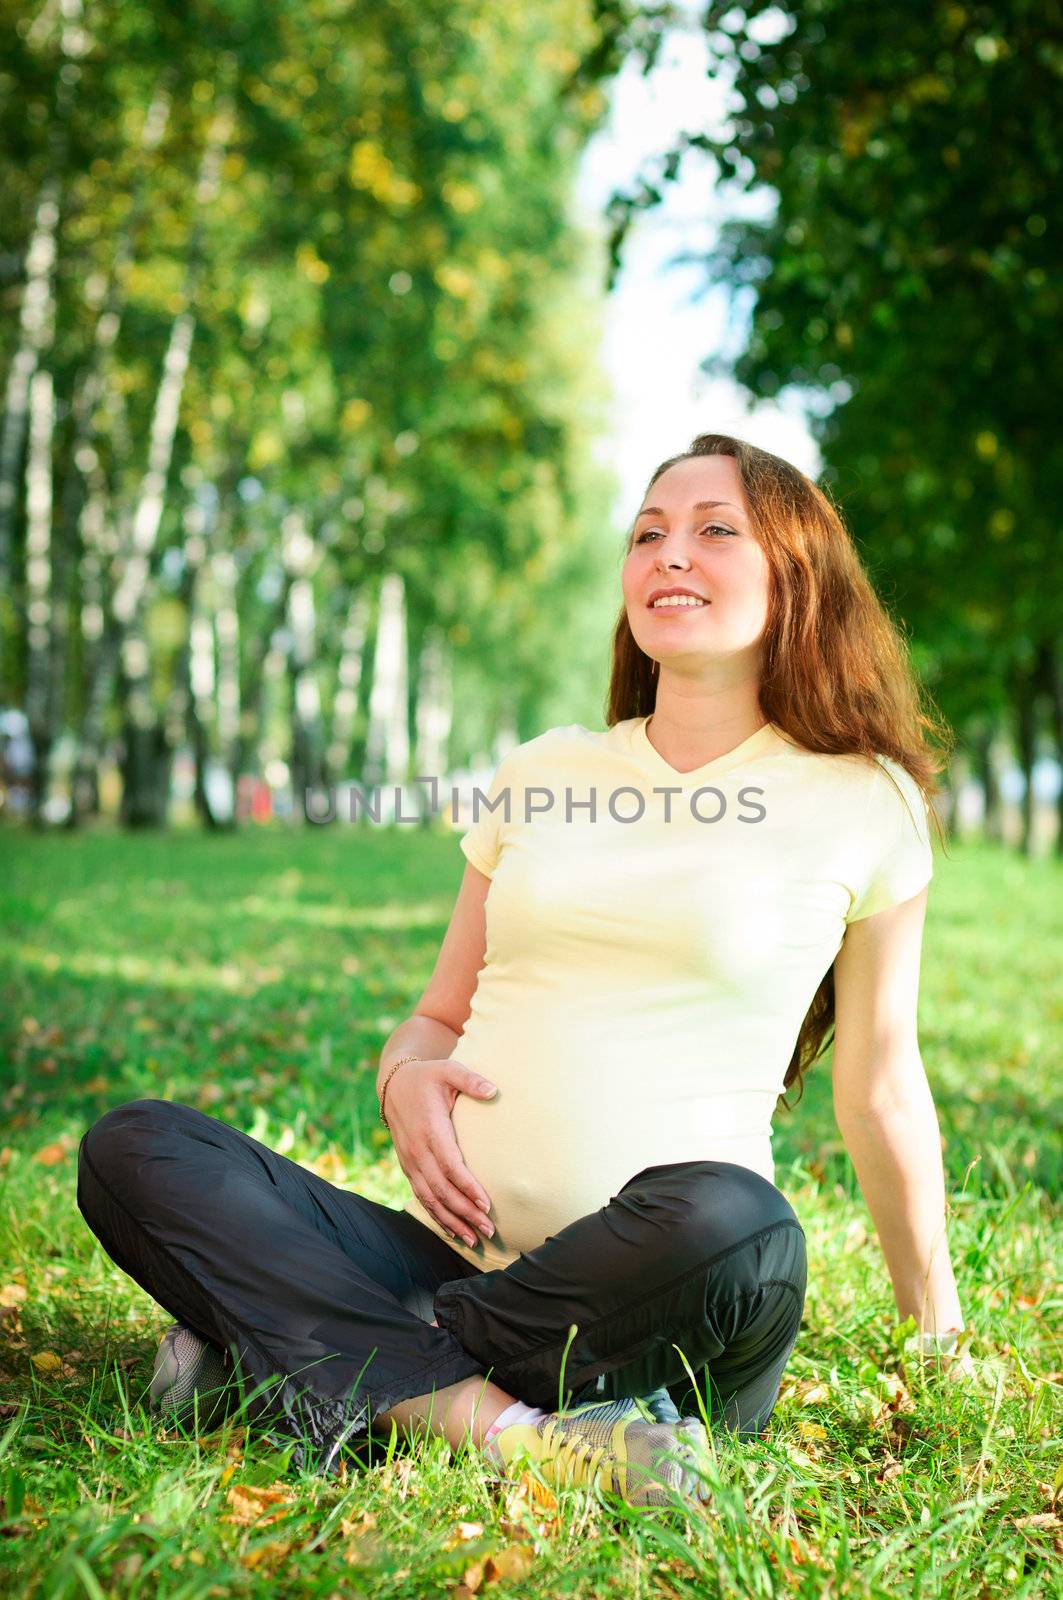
{"x": 694, "y": 532}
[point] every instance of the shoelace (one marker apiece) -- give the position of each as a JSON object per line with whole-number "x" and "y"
{"x": 586, "y": 1460}
{"x": 583, "y": 1458}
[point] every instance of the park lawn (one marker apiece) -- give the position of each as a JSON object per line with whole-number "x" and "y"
{"x": 257, "y": 978}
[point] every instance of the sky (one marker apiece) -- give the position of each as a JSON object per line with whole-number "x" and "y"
{"x": 655, "y": 332}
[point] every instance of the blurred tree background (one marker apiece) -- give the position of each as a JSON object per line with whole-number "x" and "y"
{"x": 906, "y": 280}
{"x": 301, "y": 376}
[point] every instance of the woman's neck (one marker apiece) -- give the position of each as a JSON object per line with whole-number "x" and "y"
{"x": 690, "y": 733}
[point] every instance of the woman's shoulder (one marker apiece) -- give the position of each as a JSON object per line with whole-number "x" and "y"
{"x": 559, "y": 741}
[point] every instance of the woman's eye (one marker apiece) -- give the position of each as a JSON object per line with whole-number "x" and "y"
{"x": 711, "y": 527}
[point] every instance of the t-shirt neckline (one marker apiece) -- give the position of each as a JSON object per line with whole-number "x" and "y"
{"x": 757, "y": 742}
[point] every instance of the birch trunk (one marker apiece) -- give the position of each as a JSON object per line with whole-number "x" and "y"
{"x": 141, "y": 733}
{"x": 306, "y": 755}
{"x": 348, "y": 682}
{"x": 85, "y": 500}
{"x": 36, "y": 336}
{"x": 191, "y": 714}
{"x": 433, "y": 719}
{"x": 388, "y": 746}
{"x": 40, "y": 686}
{"x": 256, "y": 675}
{"x": 227, "y": 635}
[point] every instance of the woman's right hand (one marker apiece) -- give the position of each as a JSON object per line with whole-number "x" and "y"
{"x": 418, "y": 1105}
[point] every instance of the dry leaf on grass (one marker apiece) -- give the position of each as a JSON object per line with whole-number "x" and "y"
{"x": 364, "y": 1544}
{"x": 255, "y": 1506}
{"x": 514, "y": 1562}
{"x": 463, "y": 1532}
{"x": 890, "y": 1468}
{"x": 355, "y": 1527}
{"x": 471, "y": 1579}
{"x": 529, "y": 1506}
{"x": 265, "y": 1555}
{"x": 511, "y": 1563}
{"x": 47, "y": 1361}
{"x": 806, "y": 1392}
{"x": 52, "y": 1154}
{"x": 13, "y": 1294}
{"x": 400, "y": 1475}
{"x": 252, "y": 1504}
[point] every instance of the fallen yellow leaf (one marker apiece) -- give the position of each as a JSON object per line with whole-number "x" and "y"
{"x": 252, "y": 1504}
{"x": 515, "y": 1561}
{"x": 266, "y": 1554}
{"x": 47, "y": 1361}
{"x": 13, "y": 1294}
{"x": 811, "y": 1430}
{"x": 462, "y": 1534}
{"x": 353, "y": 1527}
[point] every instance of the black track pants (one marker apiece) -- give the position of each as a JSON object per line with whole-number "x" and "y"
{"x": 326, "y": 1297}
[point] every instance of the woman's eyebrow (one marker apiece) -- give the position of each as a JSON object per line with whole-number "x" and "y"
{"x": 699, "y": 505}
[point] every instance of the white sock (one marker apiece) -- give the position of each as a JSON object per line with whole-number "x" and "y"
{"x": 517, "y": 1412}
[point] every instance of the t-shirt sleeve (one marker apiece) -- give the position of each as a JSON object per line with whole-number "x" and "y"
{"x": 481, "y": 842}
{"x": 899, "y": 858}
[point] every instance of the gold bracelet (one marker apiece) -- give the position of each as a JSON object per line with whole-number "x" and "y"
{"x": 395, "y": 1065}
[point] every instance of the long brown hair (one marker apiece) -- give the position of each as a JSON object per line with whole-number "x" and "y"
{"x": 836, "y": 675}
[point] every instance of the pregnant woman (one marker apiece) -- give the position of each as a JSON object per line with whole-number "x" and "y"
{"x": 658, "y": 926}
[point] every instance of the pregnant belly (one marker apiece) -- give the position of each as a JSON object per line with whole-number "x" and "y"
{"x": 579, "y": 1112}
{"x": 543, "y": 1165}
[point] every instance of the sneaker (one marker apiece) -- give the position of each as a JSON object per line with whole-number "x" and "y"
{"x": 658, "y": 1406}
{"x": 191, "y": 1373}
{"x": 644, "y": 1463}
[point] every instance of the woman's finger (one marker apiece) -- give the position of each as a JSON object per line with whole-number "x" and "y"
{"x": 443, "y": 1143}
{"x": 450, "y": 1196}
{"x": 425, "y": 1194}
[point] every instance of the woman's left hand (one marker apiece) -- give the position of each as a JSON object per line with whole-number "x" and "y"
{"x": 952, "y": 1353}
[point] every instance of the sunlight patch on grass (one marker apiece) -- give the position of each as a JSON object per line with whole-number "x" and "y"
{"x": 155, "y": 969}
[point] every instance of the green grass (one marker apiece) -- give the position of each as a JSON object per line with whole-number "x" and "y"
{"x": 257, "y": 978}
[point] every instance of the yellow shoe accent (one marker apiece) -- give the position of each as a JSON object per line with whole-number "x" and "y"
{"x": 644, "y": 1463}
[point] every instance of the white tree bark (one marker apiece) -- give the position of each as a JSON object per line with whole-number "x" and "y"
{"x": 227, "y": 631}
{"x": 144, "y": 738}
{"x": 302, "y": 558}
{"x": 40, "y": 689}
{"x": 349, "y": 675}
{"x": 433, "y": 717}
{"x": 36, "y": 331}
{"x": 388, "y": 743}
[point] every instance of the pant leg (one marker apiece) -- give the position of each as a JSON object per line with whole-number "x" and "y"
{"x": 309, "y": 1284}
{"x": 705, "y": 1255}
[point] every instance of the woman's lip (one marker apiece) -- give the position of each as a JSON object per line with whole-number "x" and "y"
{"x": 664, "y": 610}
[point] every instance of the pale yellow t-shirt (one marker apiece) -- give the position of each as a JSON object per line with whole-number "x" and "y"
{"x": 645, "y": 980}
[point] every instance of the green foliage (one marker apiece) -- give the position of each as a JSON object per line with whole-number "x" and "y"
{"x": 393, "y": 309}
{"x": 895, "y": 259}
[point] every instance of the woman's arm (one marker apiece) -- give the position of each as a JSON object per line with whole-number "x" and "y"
{"x": 885, "y": 1111}
{"x": 896, "y": 1152}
